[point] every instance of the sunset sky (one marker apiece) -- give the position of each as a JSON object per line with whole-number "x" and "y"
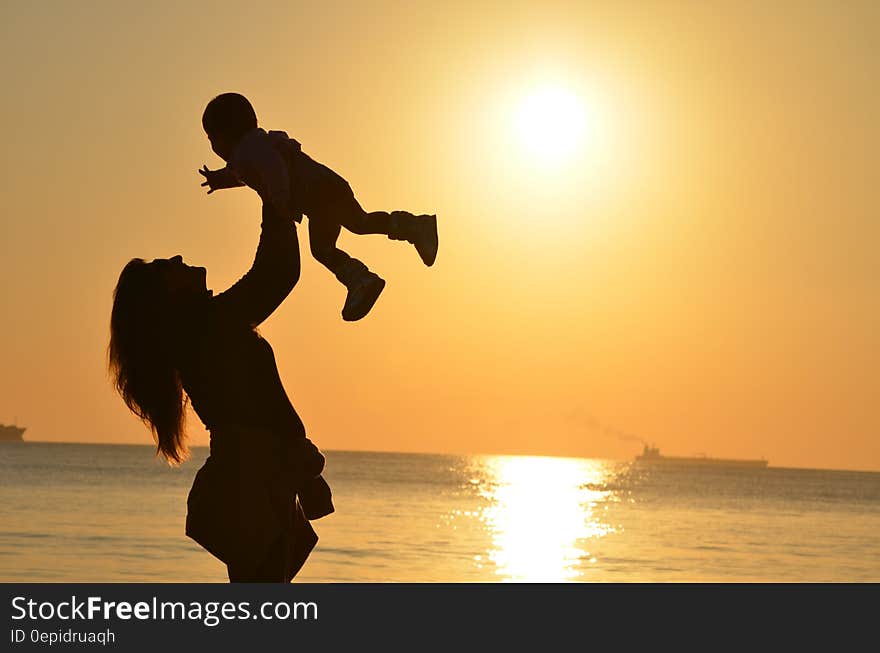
{"x": 658, "y": 220}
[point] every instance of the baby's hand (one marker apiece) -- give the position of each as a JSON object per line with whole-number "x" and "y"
{"x": 214, "y": 179}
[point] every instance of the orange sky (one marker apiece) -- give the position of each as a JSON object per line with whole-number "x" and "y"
{"x": 701, "y": 273}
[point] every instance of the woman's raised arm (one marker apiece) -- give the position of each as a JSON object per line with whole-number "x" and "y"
{"x": 272, "y": 276}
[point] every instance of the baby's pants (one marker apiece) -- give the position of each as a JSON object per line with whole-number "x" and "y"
{"x": 338, "y": 208}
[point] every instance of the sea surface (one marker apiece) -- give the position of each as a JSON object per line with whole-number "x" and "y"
{"x": 114, "y": 513}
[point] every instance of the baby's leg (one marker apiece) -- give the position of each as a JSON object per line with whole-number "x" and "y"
{"x": 420, "y": 230}
{"x": 345, "y": 210}
{"x": 364, "y": 287}
{"x": 323, "y": 234}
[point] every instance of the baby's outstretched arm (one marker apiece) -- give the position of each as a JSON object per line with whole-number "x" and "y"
{"x": 217, "y": 179}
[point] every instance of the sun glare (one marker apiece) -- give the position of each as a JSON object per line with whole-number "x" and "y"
{"x": 544, "y": 513}
{"x": 552, "y": 123}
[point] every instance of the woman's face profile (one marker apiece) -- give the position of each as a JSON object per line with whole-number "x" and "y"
{"x": 180, "y": 277}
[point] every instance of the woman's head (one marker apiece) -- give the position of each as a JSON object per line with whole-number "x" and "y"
{"x": 151, "y": 304}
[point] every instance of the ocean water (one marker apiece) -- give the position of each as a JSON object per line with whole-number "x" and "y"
{"x": 101, "y": 513}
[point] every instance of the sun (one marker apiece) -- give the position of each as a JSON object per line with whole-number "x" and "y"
{"x": 551, "y": 122}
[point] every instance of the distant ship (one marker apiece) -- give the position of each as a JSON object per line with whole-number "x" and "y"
{"x": 10, "y": 433}
{"x": 651, "y": 456}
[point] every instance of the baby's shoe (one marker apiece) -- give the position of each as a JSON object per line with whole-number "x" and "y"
{"x": 420, "y": 230}
{"x": 364, "y": 288}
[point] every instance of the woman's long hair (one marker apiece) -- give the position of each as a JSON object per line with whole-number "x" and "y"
{"x": 144, "y": 328}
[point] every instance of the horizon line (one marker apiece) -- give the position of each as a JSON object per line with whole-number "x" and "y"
{"x": 441, "y": 453}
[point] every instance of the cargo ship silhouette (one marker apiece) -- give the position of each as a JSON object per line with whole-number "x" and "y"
{"x": 652, "y": 456}
{"x": 11, "y": 433}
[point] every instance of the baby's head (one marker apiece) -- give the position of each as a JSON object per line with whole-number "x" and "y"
{"x": 226, "y": 119}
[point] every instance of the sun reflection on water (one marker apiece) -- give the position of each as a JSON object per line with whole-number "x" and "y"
{"x": 542, "y": 515}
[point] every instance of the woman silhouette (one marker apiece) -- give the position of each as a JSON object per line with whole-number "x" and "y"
{"x": 173, "y": 341}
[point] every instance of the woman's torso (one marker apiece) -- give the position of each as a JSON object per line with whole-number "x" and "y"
{"x": 231, "y": 377}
